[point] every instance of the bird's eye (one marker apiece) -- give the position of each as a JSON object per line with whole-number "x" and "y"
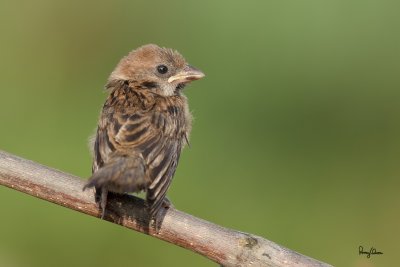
{"x": 162, "y": 69}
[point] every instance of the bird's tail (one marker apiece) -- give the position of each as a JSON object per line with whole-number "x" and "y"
{"x": 121, "y": 173}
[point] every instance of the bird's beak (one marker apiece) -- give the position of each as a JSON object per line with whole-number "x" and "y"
{"x": 186, "y": 75}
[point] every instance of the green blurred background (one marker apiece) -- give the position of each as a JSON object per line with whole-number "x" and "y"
{"x": 296, "y": 135}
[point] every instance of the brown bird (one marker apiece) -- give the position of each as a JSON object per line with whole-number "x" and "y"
{"x": 144, "y": 125}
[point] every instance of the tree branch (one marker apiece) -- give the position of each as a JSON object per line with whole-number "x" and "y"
{"x": 224, "y": 246}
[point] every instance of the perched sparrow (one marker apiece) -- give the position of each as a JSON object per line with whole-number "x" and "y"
{"x": 144, "y": 125}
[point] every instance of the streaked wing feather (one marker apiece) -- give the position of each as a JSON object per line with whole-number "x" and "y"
{"x": 152, "y": 134}
{"x": 158, "y": 189}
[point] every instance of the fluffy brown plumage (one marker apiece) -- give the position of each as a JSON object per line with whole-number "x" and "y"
{"x": 144, "y": 124}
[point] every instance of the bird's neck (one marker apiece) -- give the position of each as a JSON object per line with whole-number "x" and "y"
{"x": 134, "y": 94}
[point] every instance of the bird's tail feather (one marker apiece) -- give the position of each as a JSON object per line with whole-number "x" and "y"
{"x": 121, "y": 173}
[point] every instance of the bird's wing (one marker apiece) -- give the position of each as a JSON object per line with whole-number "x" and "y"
{"x": 104, "y": 141}
{"x": 156, "y": 136}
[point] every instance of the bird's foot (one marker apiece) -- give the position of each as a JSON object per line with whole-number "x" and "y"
{"x": 101, "y": 199}
{"x": 167, "y": 203}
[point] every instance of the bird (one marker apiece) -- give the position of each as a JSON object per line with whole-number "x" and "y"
{"x": 144, "y": 124}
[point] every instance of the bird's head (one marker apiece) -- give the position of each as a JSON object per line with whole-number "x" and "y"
{"x": 162, "y": 70}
